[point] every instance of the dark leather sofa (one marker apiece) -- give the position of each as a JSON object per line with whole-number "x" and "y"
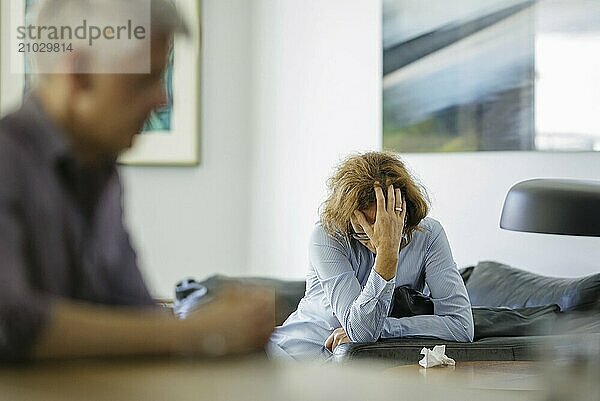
{"x": 516, "y": 314}
{"x": 491, "y": 284}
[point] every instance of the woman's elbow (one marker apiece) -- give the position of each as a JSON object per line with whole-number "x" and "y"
{"x": 467, "y": 334}
{"x": 460, "y": 328}
{"x": 471, "y": 332}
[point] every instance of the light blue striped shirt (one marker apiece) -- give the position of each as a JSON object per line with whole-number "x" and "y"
{"x": 343, "y": 290}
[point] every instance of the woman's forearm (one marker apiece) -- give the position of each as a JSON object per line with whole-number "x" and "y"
{"x": 450, "y": 328}
{"x": 386, "y": 264}
{"x": 364, "y": 319}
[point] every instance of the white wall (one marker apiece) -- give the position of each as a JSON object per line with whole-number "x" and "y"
{"x": 468, "y": 190}
{"x": 317, "y": 96}
{"x": 193, "y": 221}
{"x": 288, "y": 88}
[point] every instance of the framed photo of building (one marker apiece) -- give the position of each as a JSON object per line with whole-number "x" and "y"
{"x": 171, "y": 135}
{"x": 460, "y": 78}
{"x": 494, "y": 75}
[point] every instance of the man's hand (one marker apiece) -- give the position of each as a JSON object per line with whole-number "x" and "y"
{"x": 240, "y": 320}
{"x": 336, "y": 338}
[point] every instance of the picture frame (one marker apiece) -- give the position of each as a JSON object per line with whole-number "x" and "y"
{"x": 171, "y": 138}
{"x": 459, "y": 79}
{"x": 503, "y": 75}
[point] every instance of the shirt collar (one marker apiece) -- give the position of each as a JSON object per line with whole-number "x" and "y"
{"x": 48, "y": 138}
{"x": 51, "y": 140}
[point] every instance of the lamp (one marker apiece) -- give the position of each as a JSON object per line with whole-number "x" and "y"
{"x": 553, "y": 206}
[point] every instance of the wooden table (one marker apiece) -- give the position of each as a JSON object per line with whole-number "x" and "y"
{"x": 488, "y": 375}
{"x": 236, "y": 380}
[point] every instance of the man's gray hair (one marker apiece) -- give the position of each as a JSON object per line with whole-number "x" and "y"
{"x": 113, "y": 31}
{"x": 164, "y": 16}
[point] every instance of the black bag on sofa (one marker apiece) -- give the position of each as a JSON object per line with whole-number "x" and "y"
{"x": 488, "y": 321}
{"x": 409, "y": 302}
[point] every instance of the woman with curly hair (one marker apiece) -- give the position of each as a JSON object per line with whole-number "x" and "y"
{"x": 373, "y": 236}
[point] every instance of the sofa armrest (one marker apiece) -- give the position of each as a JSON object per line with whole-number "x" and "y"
{"x": 408, "y": 351}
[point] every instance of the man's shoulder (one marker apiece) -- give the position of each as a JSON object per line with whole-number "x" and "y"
{"x": 9, "y": 145}
{"x": 9, "y": 177}
{"x": 11, "y": 142}
{"x": 13, "y": 154}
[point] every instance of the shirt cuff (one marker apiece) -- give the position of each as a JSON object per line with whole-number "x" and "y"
{"x": 377, "y": 287}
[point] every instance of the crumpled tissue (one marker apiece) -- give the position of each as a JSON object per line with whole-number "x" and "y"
{"x": 435, "y": 357}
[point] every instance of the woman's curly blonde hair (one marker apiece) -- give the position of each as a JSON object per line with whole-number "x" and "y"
{"x": 352, "y": 188}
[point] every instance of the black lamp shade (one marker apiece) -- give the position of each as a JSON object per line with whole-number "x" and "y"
{"x": 551, "y": 206}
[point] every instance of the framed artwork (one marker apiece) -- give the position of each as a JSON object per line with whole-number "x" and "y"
{"x": 171, "y": 134}
{"x": 490, "y": 75}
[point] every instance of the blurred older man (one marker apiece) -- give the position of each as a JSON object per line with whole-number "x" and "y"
{"x": 69, "y": 282}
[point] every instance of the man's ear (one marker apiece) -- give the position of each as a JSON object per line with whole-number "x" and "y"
{"x": 81, "y": 82}
{"x": 78, "y": 70}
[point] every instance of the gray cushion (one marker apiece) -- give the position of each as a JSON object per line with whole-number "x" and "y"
{"x": 496, "y": 284}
